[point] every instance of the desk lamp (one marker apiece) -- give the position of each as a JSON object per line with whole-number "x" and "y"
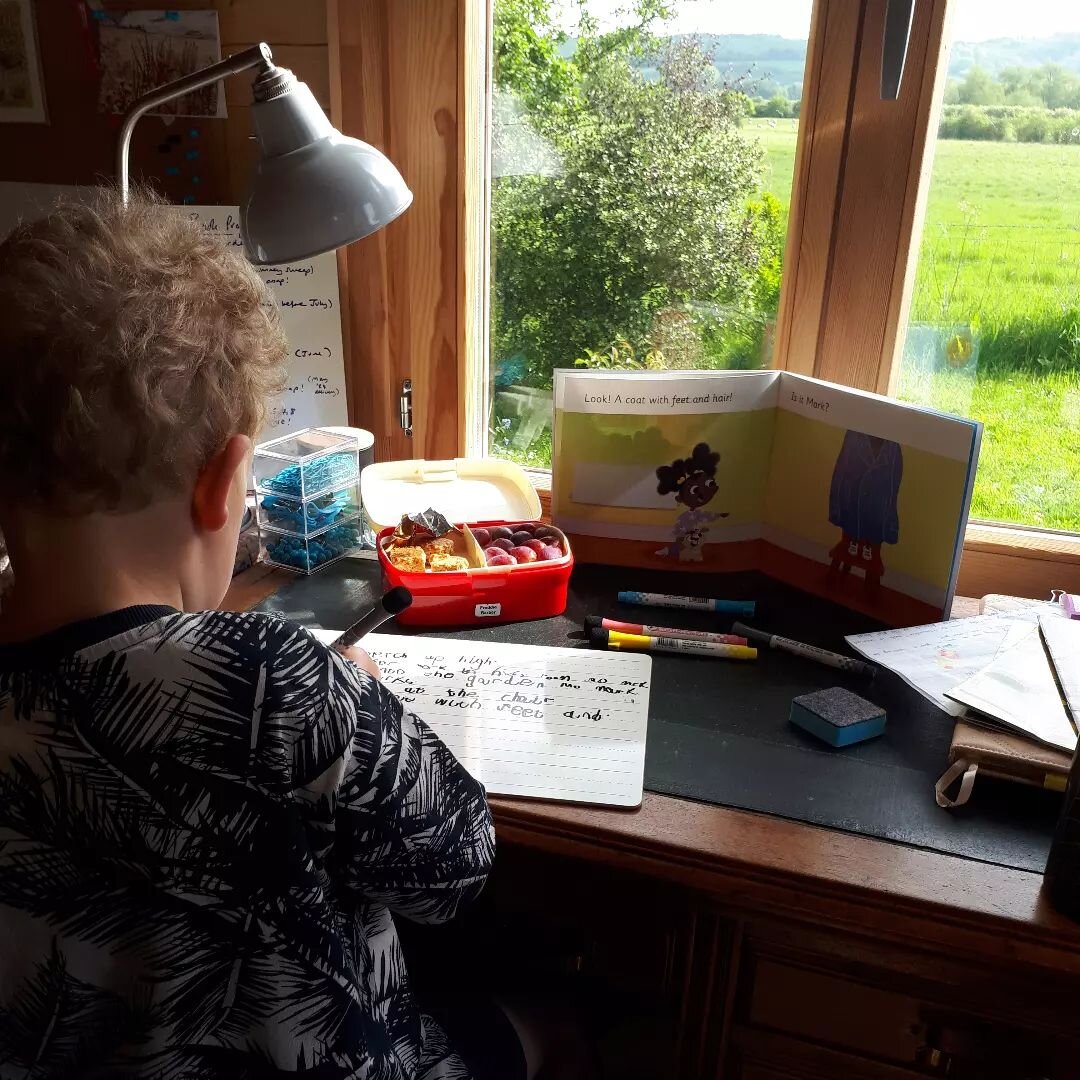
{"x": 313, "y": 189}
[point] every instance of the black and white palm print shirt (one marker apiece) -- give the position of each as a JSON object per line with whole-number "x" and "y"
{"x": 207, "y": 823}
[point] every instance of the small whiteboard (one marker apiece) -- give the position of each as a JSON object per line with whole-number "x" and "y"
{"x": 526, "y": 720}
{"x": 307, "y": 293}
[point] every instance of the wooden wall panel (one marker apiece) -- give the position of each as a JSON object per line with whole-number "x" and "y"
{"x": 77, "y": 145}
{"x": 399, "y": 69}
{"x": 883, "y": 168}
{"x": 834, "y": 37}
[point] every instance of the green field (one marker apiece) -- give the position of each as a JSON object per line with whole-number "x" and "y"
{"x": 999, "y": 271}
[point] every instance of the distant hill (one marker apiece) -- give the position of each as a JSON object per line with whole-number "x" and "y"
{"x": 998, "y": 53}
{"x": 767, "y": 64}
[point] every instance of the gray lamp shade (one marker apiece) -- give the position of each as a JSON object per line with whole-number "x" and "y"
{"x": 314, "y": 189}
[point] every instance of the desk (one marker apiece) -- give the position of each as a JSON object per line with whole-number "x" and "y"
{"x": 788, "y": 950}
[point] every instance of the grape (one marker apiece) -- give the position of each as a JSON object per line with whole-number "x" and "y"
{"x": 537, "y": 545}
{"x": 550, "y": 553}
{"x": 500, "y": 532}
{"x": 522, "y": 536}
{"x": 483, "y": 536}
{"x": 503, "y": 542}
{"x": 497, "y": 557}
{"x": 548, "y": 530}
{"x": 523, "y": 554}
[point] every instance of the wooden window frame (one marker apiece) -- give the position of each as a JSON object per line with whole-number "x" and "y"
{"x": 414, "y": 79}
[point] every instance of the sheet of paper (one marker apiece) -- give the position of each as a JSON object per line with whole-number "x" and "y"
{"x": 1018, "y": 690}
{"x": 938, "y": 657}
{"x": 543, "y": 723}
{"x": 1062, "y": 639}
{"x": 307, "y": 293}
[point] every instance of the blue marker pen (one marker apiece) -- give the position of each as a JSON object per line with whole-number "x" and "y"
{"x": 688, "y": 603}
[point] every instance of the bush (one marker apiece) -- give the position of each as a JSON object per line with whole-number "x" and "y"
{"x": 1009, "y": 123}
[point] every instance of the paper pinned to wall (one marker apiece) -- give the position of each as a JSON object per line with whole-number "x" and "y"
{"x": 543, "y": 723}
{"x": 307, "y": 293}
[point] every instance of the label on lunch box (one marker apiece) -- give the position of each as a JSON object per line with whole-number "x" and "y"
{"x": 487, "y": 611}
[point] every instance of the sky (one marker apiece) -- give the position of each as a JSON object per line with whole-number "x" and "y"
{"x": 972, "y": 20}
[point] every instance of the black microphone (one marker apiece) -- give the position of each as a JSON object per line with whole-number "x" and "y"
{"x": 393, "y": 603}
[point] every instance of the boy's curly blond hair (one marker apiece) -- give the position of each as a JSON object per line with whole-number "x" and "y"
{"x": 132, "y": 345}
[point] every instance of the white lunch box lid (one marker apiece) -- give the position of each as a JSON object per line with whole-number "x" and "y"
{"x": 461, "y": 489}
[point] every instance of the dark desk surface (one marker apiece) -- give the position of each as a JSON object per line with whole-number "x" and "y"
{"x": 835, "y": 875}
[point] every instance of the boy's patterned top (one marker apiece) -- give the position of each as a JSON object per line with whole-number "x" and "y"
{"x": 206, "y": 823}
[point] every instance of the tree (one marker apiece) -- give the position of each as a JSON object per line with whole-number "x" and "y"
{"x": 980, "y": 88}
{"x": 649, "y": 212}
{"x": 774, "y": 107}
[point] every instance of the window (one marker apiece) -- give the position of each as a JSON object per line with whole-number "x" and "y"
{"x": 641, "y": 165}
{"x": 994, "y": 325}
{"x": 418, "y": 81}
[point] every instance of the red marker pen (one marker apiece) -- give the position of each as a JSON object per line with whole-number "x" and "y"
{"x": 595, "y": 622}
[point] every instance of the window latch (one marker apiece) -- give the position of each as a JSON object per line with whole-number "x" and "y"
{"x": 405, "y": 408}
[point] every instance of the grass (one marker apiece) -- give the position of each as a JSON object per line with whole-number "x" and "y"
{"x": 1000, "y": 253}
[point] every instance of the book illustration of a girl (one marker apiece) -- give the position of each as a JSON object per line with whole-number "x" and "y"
{"x": 693, "y": 480}
{"x": 862, "y": 505}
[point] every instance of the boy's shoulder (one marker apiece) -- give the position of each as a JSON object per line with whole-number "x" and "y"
{"x": 237, "y": 634}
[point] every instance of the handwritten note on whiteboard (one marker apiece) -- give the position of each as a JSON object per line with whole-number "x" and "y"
{"x": 566, "y": 724}
{"x": 307, "y": 293}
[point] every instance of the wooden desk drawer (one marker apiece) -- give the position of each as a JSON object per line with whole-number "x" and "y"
{"x": 834, "y": 1010}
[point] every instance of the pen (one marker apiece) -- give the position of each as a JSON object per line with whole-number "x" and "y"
{"x": 690, "y": 603}
{"x": 593, "y": 622}
{"x": 393, "y": 603}
{"x": 810, "y": 652}
{"x": 612, "y": 639}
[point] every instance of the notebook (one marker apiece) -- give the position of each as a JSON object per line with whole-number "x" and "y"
{"x": 525, "y": 720}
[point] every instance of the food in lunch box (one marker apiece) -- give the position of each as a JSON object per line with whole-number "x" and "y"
{"x": 529, "y": 541}
{"x": 408, "y": 558}
{"x": 442, "y": 564}
{"x": 443, "y": 546}
{"x": 497, "y": 557}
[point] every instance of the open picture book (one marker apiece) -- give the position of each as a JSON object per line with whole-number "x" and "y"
{"x": 849, "y": 495}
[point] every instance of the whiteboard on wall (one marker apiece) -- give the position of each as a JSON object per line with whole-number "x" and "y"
{"x": 306, "y": 293}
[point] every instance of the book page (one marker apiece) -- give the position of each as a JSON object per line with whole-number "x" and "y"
{"x": 542, "y": 723}
{"x": 867, "y": 499}
{"x": 671, "y": 464}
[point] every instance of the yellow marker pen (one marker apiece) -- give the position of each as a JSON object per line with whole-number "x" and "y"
{"x": 613, "y": 639}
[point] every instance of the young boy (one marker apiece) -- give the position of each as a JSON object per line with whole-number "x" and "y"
{"x": 207, "y": 820}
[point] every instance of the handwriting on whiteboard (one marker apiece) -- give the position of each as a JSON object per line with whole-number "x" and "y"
{"x": 524, "y": 720}
{"x": 307, "y": 296}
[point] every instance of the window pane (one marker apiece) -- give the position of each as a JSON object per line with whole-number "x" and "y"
{"x": 995, "y": 319}
{"x": 642, "y": 154}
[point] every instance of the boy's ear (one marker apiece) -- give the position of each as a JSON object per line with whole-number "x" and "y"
{"x": 210, "y": 500}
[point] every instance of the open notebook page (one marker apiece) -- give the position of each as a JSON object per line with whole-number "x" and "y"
{"x": 543, "y": 723}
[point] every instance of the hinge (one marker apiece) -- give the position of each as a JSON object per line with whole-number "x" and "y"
{"x": 405, "y": 408}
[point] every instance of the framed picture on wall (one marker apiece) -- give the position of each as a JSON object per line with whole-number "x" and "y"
{"x": 22, "y": 96}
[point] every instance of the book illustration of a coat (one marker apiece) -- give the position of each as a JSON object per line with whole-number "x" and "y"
{"x": 863, "y": 503}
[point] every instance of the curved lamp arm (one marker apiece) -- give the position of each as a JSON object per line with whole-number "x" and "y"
{"x": 255, "y": 56}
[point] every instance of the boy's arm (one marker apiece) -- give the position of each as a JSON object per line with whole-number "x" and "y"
{"x": 411, "y": 828}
